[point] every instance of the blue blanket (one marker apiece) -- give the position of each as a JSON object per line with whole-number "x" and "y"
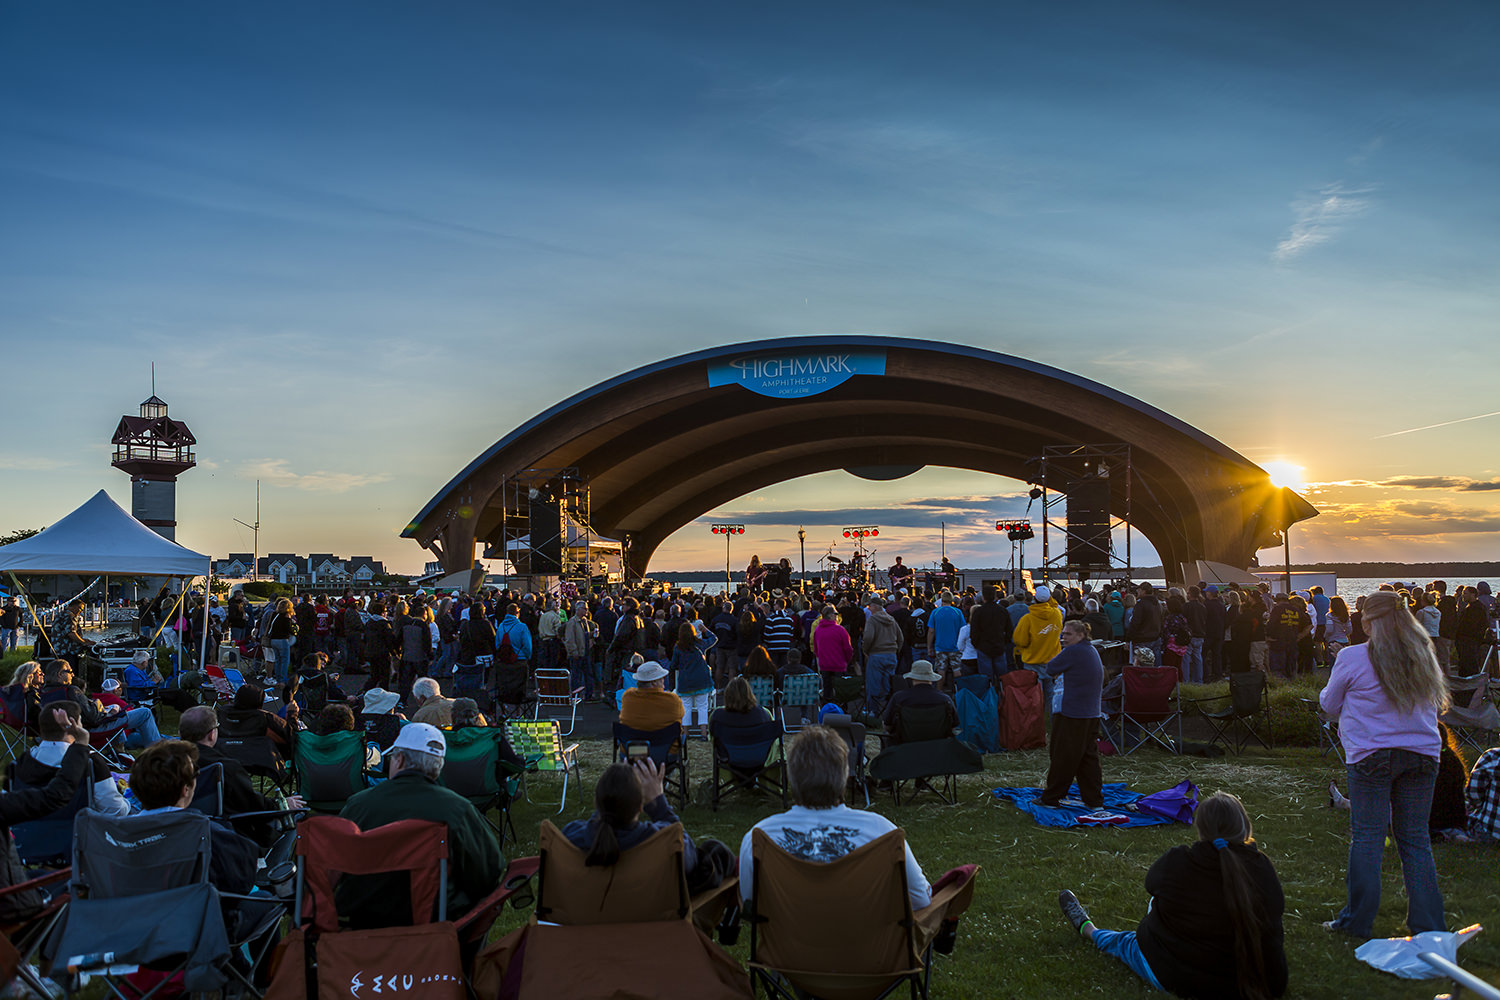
{"x": 1119, "y": 808}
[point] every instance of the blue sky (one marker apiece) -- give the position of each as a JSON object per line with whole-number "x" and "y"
{"x": 363, "y": 241}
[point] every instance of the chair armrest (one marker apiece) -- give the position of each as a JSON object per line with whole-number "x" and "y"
{"x": 517, "y": 877}
{"x": 60, "y": 875}
{"x": 1213, "y": 699}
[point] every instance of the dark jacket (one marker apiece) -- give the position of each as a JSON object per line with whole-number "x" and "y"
{"x": 990, "y": 629}
{"x": 917, "y": 696}
{"x": 1145, "y": 621}
{"x": 1186, "y": 936}
{"x": 474, "y": 861}
{"x": 240, "y": 795}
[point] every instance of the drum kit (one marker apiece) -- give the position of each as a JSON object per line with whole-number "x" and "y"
{"x": 854, "y": 570}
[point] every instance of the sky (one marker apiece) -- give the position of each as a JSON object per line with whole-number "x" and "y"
{"x": 363, "y": 241}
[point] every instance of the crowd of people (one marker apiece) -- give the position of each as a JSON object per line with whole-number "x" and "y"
{"x": 1214, "y": 923}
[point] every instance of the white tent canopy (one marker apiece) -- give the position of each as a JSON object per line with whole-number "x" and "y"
{"x": 100, "y": 537}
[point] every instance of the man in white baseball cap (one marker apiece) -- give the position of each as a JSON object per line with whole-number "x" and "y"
{"x": 411, "y": 791}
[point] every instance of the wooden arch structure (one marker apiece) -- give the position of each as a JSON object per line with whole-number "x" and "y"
{"x": 666, "y": 443}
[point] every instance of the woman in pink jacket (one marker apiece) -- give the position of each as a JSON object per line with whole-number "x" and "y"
{"x": 833, "y": 649}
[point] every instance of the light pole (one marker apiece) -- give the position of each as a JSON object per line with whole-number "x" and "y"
{"x": 802, "y": 548}
{"x": 727, "y": 530}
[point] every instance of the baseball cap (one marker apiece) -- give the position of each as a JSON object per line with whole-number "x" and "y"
{"x": 1043, "y": 594}
{"x": 419, "y": 737}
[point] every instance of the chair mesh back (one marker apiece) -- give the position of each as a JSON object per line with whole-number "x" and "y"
{"x": 554, "y": 687}
{"x": 745, "y": 746}
{"x": 116, "y": 856}
{"x": 928, "y": 722}
{"x": 532, "y": 737}
{"x": 645, "y": 885}
{"x": 764, "y": 690}
{"x": 1246, "y": 688}
{"x": 471, "y": 767}
{"x": 331, "y": 766}
{"x": 801, "y": 690}
{"x": 1148, "y": 692}
{"x": 841, "y": 916}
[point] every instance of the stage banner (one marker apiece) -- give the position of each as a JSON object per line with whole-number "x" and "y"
{"x": 788, "y": 375}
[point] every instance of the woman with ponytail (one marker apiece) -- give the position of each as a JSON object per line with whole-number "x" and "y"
{"x": 1213, "y": 927}
{"x": 1386, "y": 694}
{"x": 624, "y": 790}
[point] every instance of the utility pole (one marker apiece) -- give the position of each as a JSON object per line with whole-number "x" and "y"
{"x": 254, "y": 528}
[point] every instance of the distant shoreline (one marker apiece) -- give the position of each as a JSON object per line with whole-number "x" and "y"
{"x": 1406, "y": 572}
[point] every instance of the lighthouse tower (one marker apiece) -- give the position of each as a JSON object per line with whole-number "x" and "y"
{"x": 153, "y": 449}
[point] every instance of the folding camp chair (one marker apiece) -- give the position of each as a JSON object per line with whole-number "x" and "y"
{"x": 1149, "y": 708}
{"x": 424, "y": 957}
{"x": 539, "y": 743}
{"x": 107, "y": 741}
{"x": 1328, "y": 729}
{"x": 627, "y": 681}
{"x": 13, "y": 721}
{"x": 142, "y": 899}
{"x": 468, "y": 679}
{"x": 764, "y": 690}
{"x": 223, "y": 688}
{"x": 854, "y": 738}
{"x": 48, "y": 842}
{"x": 380, "y": 729}
{"x": 646, "y": 885}
{"x": 585, "y": 937}
{"x": 926, "y": 752}
{"x": 800, "y": 691}
{"x": 22, "y": 938}
{"x": 555, "y": 692}
{"x": 475, "y": 767}
{"x": 330, "y": 769}
{"x": 667, "y": 748}
{"x": 845, "y": 928}
{"x": 748, "y": 758}
{"x": 1243, "y": 713}
{"x": 242, "y": 735}
{"x": 1472, "y": 716}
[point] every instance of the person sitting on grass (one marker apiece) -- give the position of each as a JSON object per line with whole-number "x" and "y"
{"x": 623, "y": 792}
{"x": 649, "y": 706}
{"x": 1213, "y": 926}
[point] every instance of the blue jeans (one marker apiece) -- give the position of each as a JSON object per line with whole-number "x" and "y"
{"x": 8, "y": 638}
{"x": 1394, "y": 786}
{"x": 581, "y": 675}
{"x": 1122, "y": 945}
{"x": 283, "y": 650}
{"x": 880, "y": 669}
{"x": 993, "y": 667}
{"x": 143, "y": 731}
{"x": 1192, "y": 662}
{"x": 1283, "y": 659}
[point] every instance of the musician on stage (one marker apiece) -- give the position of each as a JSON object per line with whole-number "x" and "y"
{"x": 950, "y": 573}
{"x": 755, "y": 573}
{"x": 900, "y": 574}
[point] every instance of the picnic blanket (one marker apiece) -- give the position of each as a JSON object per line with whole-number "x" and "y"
{"x": 1119, "y": 808}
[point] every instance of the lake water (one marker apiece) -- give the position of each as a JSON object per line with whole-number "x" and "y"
{"x": 1349, "y": 588}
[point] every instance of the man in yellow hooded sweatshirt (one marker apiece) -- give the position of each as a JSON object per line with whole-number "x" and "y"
{"x": 1038, "y": 636}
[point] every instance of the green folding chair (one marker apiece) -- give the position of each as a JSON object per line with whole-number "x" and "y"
{"x": 539, "y": 742}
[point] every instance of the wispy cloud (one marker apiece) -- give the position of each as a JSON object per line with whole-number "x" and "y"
{"x": 1445, "y": 423}
{"x": 1319, "y": 219}
{"x": 1462, "y": 484}
{"x": 277, "y": 472}
{"x": 1400, "y": 518}
{"x": 31, "y": 463}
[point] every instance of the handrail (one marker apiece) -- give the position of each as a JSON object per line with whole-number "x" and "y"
{"x": 1465, "y": 979}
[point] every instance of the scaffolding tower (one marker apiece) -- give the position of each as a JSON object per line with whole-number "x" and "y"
{"x": 1086, "y": 557}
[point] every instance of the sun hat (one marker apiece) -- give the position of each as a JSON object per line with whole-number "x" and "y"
{"x": 652, "y": 671}
{"x": 379, "y": 701}
{"x": 921, "y": 670}
{"x": 419, "y": 737}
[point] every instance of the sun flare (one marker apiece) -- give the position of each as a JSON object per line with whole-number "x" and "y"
{"x": 1287, "y": 474}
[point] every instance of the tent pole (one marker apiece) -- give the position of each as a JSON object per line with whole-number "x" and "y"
{"x": 35, "y": 615}
{"x": 203, "y": 653}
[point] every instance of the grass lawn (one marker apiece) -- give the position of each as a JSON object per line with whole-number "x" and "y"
{"x": 1014, "y": 941}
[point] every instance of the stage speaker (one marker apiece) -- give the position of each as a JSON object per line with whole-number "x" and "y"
{"x": 546, "y": 537}
{"x": 1088, "y": 522}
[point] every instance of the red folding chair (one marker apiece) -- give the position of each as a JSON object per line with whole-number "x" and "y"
{"x": 319, "y": 958}
{"x": 1148, "y": 708}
